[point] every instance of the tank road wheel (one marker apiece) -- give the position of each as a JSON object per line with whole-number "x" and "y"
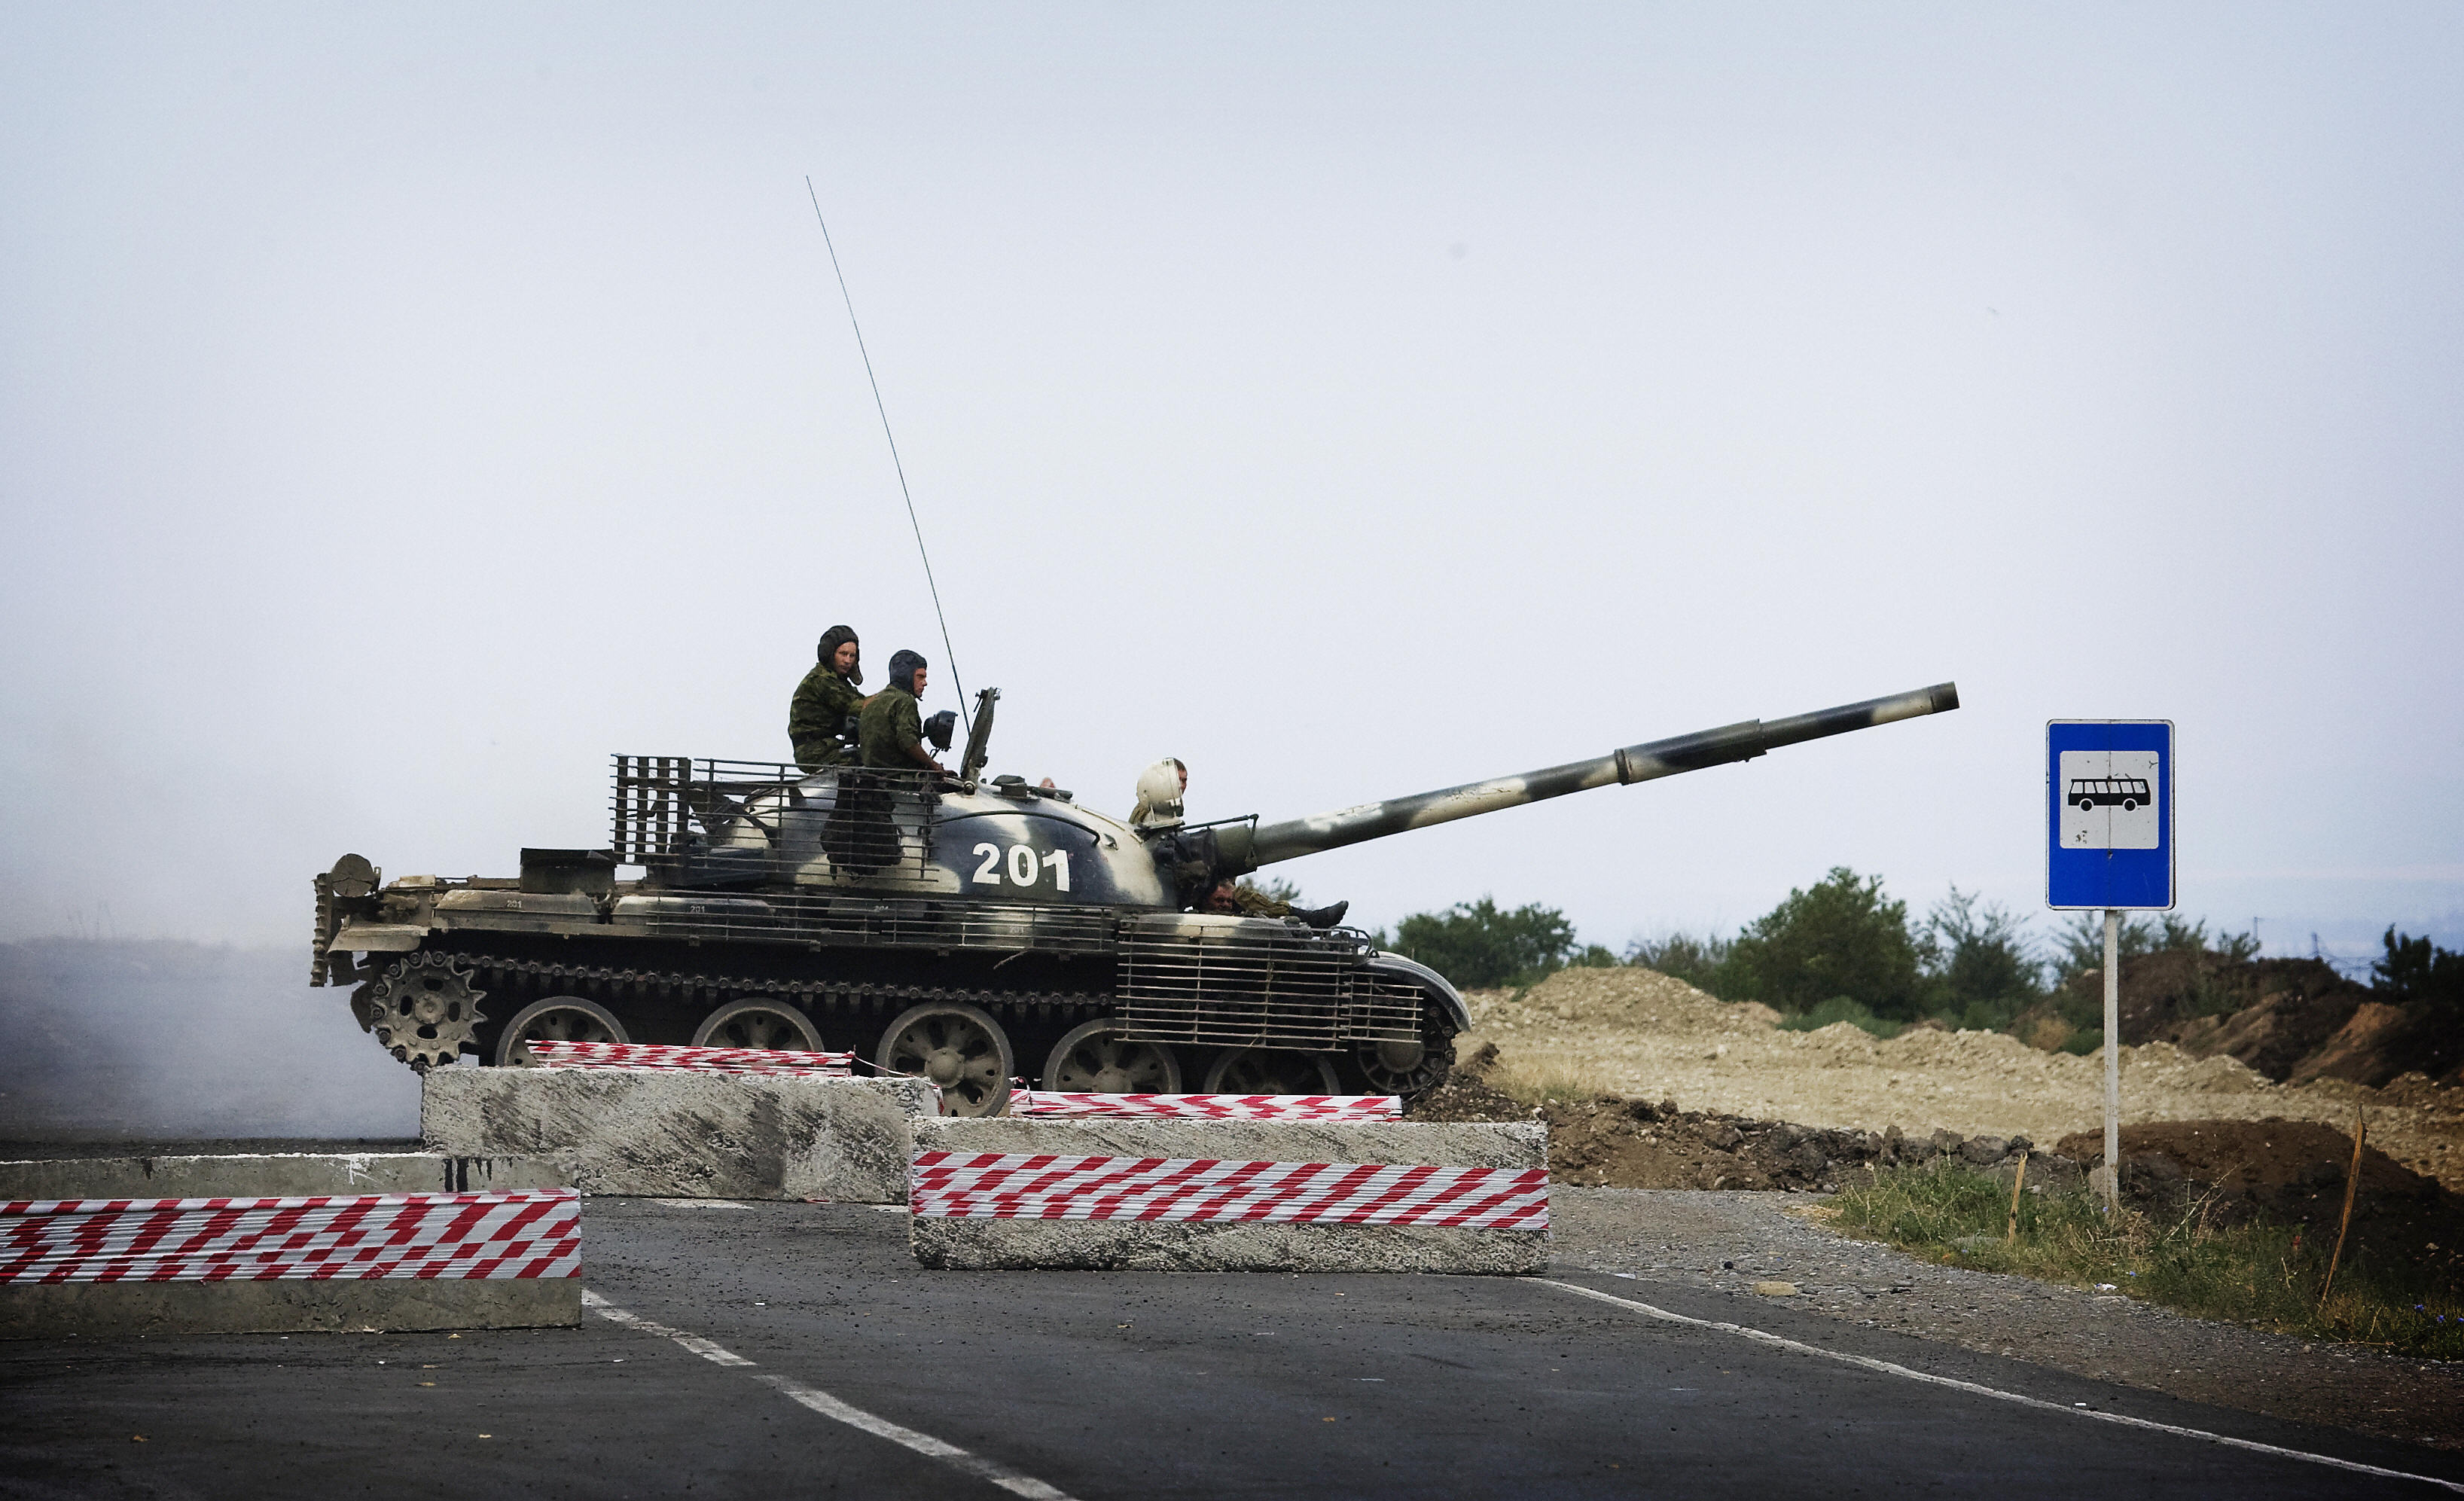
{"x": 1271, "y": 1071}
{"x": 424, "y": 1010}
{"x": 1409, "y": 1067}
{"x": 1104, "y": 1057}
{"x": 757, "y": 1021}
{"x": 957, "y": 1047}
{"x": 558, "y": 1019}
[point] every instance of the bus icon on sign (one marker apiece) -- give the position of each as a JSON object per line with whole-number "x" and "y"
{"x": 2126, "y": 793}
{"x": 2108, "y": 799}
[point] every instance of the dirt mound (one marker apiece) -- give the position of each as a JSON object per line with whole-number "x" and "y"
{"x": 2290, "y": 1171}
{"x": 1616, "y": 1142}
{"x": 2265, "y": 1159}
{"x": 1639, "y": 1035}
{"x": 2293, "y": 1020}
{"x": 2377, "y": 1043}
{"x": 2285, "y": 1171}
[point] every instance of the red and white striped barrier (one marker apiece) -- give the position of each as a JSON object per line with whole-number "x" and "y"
{"x": 700, "y": 1060}
{"x": 1018, "y": 1186}
{"x": 1209, "y": 1107}
{"x": 491, "y": 1236}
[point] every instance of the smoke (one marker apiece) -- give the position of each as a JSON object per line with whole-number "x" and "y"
{"x": 104, "y": 1039}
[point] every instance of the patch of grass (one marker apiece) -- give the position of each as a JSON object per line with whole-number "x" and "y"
{"x": 2085, "y": 1041}
{"x": 1839, "y": 1009}
{"x": 2258, "y": 1274}
{"x": 1539, "y": 1082}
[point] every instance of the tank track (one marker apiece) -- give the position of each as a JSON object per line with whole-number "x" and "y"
{"x": 1028, "y": 1013}
{"x": 617, "y": 984}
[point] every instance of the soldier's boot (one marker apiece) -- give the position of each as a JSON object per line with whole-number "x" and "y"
{"x": 1325, "y": 918}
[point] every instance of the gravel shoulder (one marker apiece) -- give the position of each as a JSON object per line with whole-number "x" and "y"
{"x": 1728, "y": 1241}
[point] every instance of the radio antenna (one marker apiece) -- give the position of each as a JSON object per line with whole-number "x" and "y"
{"x": 949, "y": 653}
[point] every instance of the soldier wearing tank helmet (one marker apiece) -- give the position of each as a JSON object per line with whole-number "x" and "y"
{"x": 891, "y": 731}
{"x": 1161, "y": 787}
{"x": 822, "y": 717}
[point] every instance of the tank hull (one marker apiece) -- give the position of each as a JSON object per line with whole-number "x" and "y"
{"x": 1199, "y": 988}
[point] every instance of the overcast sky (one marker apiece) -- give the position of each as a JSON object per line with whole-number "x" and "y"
{"x": 402, "y": 408}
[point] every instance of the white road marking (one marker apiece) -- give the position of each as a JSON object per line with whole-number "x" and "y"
{"x": 999, "y": 1475}
{"x": 701, "y": 1204}
{"x": 708, "y": 1350}
{"x": 828, "y": 1406}
{"x": 1888, "y": 1368}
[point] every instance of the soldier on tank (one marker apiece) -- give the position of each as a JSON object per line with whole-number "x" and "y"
{"x": 891, "y": 731}
{"x": 822, "y": 717}
{"x": 1160, "y": 789}
{"x": 862, "y": 835}
{"x": 1240, "y": 898}
{"x": 1163, "y": 789}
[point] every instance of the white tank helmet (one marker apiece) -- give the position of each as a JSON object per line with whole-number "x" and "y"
{"x": 1159, "y": 795}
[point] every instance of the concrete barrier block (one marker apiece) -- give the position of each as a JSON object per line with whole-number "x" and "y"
{"x": 267, "y": 1263}
{"x": 90, "y": 1309}
{"x": 951, "y": 1233}
{"x": 666, "y": 1134}
{"x": 273, "y": 1175}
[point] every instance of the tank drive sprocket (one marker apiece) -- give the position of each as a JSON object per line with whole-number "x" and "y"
{"x": 424, "y": 1009}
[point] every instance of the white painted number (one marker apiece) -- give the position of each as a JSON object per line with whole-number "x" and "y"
{"x": 1024, "y": 867}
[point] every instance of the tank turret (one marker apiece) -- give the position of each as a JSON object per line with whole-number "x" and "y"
{"x": 960, "y": 928}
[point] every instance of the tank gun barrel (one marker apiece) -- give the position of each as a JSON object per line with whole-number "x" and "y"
{"x": 1245, "y": 849}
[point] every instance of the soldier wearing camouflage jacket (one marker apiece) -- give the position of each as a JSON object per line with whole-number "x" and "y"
{"x": 827, "y": 702}
{"x": 891, "y": 736}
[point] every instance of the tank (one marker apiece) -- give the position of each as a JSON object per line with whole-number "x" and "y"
{"x": 973, "y": 930}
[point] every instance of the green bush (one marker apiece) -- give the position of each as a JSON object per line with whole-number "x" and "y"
{"x": 1476, "y": 945}
{"x": 1982, "y": 970}
{"x": 1839, "y": 1009}
{"x": 2417, "y": 969}
{"x": 1841, "y": 937}
{"x": 2081, "y": 944}
{"x": 1681, "y": 956}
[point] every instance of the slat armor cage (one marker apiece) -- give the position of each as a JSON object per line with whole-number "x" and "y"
{"x": 1242, "y": 986}
{"x": 703, "y": 820}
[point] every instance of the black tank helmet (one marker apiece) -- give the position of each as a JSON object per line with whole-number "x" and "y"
{"x": 834, "y": 638}
{"x": 903, "y": 664}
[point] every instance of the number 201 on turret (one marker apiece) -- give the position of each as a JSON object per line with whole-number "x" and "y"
{"x": 1022, "y": 864}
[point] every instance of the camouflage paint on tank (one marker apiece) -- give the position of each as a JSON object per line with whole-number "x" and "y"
{"x": 1012, "y": 843}
{"x": 1247, "y": 850}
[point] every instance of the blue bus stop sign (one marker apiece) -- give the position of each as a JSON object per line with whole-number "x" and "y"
{"x": 2109, "y": 813}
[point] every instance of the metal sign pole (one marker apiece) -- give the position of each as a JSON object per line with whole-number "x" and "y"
{"x": 2112, "y": 1060}
{"x": 2109, "y": 806}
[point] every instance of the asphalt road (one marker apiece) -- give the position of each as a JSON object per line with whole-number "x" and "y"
{"x": 1095, "y": 1385}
